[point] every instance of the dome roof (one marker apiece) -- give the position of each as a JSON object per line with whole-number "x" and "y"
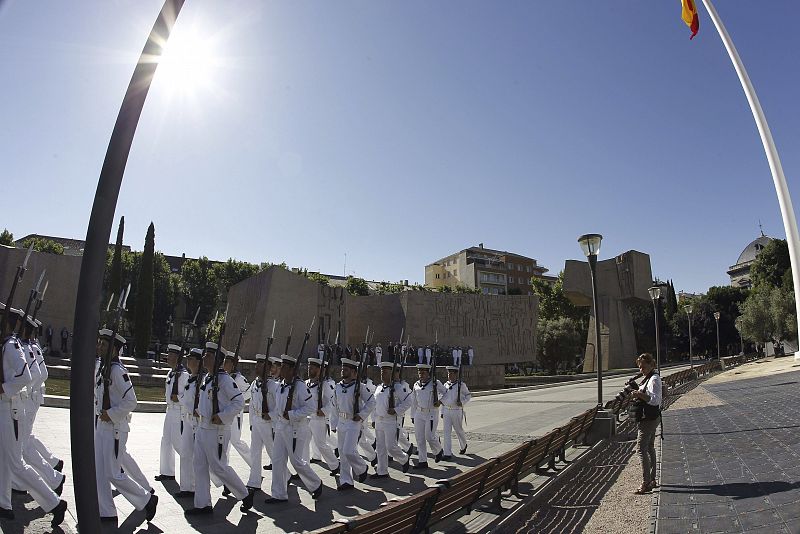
{"x": 753, "y": 249}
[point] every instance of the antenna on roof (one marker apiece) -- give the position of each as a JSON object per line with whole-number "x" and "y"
{"x": 761, "y": 228}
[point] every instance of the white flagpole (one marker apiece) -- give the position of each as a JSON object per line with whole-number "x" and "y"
{"x": 784, "y": 200}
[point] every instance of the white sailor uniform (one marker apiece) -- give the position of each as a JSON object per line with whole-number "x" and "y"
{"x": 347, "y": 430}
{"x": 320, "y": 429}
{"x": 386, "y": 424}
{"x": 453, "y": 414}
{"x": 366, "y": 441}
{"x": 190, "y": 423}
{"x": 426, "y": 418}
{"x": 171, "y": 435}
{"x": 261, "y": 434}
{"x": 236, "y": 426}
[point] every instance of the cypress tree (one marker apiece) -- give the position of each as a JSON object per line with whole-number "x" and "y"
{"x": 116, "y": 261}
{"x": 144, "y": 296}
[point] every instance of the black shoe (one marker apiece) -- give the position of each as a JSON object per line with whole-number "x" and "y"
{"x": 160, "y": 478}
{"x": 374, "y": 446}
{"x": 152, "y": 491}
{"x": 464, "y": 450}
{"x": 410, "y": 450}
{"x": 150, "y": 508}
{"x": 199, "y": 511}
{"x": 335, "y": 472}
{"x": 363, "y": 476}
{"x": 184, "y": 494}
{"x": 317, "y": 492}
{"x": 405, "y": 465}
{"x": 376, "y": 475}
{"x": 18, "y": 492}
{"x": 225, "y": 491}
{"x": 58, "y": 513}
{"x": 268, "y": 467}
{"x": 421, "y": 465}
{"x": 438, "y": 457}
{"x": 109, "y": 519}
{"x": 59, "y": 466}
{"x": 344, "y": 487}
{"x": 60, "y": 487}
{"x": 247, "y": 502}
{"x": 315, "y": 461}
{"x": 294, "y": 478}
{"x": 6, "y": 514}
{"x": 374, "y": 461}
{"x": 273, "y": 500}
{"x": 447, "y": 458}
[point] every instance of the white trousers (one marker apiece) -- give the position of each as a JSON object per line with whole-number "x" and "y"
{"x": 236, "y": 439}
{"x": 366, "y": 440}
{"x": 291, "y": 445}
{"x": 453, "y": 420}
{"x": 44, "y": 452}
{"x": 12, "y": 463}
{"x": 321, "y": 440}
{"x": 386, "y": 436}
{"x": 110, "y": 471}
{"x": 425, "y": 433}
{"x": 170, "y": 439}
{"x": 210, "y": 458}
{"x": 30, "y": 453}
{"x": 260, "y": 439}
{"x": 403, "y": 439}
{"x": 351, "y": 463}
{"x": 186, "y": 477}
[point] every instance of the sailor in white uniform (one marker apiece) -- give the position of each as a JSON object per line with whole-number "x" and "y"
{"x": 189, "y": 399}
{"x": 318, "y": 421}
{"x": 426, "y": 415}
{"x": 350, "y": 417}
{"x": 173, "y": 422}
{"x": 391, "y": 402}
{"x": 453, "y": 411}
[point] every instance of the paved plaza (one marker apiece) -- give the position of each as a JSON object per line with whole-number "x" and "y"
{"x": 495, "y": 423}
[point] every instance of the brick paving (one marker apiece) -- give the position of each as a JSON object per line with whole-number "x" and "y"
{"x": 733, "y": 464}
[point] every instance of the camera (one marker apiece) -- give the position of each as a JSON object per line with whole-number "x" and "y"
{"x": 630, "y": 386}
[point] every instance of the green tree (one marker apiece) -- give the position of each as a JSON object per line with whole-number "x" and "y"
{"x": 43, "y": 245}
{"x": 771, "y": 264}
{"x": 552, "y": 302}
{"x": 165, "y": 297}
{"x": 7, "y": 238}
{"x": 319, "y": 278}
{"x": 385, "y": 288}
{"x": 199, "y": 288}
{"x": 115, "y": 282}
{"x": 357, "y": 286}
{"x": 461, "y": 288}
{"x": 559, "y": 341}
{"x": 144, "y": 296}
{"x": 726, "y": 300}
{"x": 229, "y": 274}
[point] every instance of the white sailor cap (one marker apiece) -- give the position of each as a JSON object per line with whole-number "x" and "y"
{"x": 349, "y": 363}
{"x": 423, "y": 366}
{"x": 105, "y": 332}
{"x": 18, "y": 313}
{"x": 174, "y": 348}
{"x": 38, "y": 323}
{"x": 31, "y": 321}
{"x": 452, "y": 368}
{"x": 211, "y": 346}
{"x": 285, "y": 358}
{"x": 274, "y": 359}
{"x": 196, "y": 353}
{"x": 261, "y": 357}
{"x": 315, "y": 361}
{"x": 230, "y": 355}
{"x": 385, "y": 365}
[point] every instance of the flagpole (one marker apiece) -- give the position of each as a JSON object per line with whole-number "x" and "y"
{"x": 781, "y": 188}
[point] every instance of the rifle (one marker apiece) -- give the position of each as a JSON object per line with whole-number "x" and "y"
{"x": 215, "y": 376}
{"x": 288, "y": 340}
{"x": 433, "y": 369}
{"x": 242, "y": 332}
{"x": 458, "y": 397}
{"x": 34, "y": 293}
{"x": 359, "y": 370}
{"x": 40, "y": 301}
{"x": 193, "y": 324}
{"x": 394, "y": 366}
{"x": 264, "y": 392}
{"x": 321, "y": 378}
{"x": 295, "y": 375}
{"x": 405, "y": 352}
{"x": 200, "y": 373}
{"x": 17, "y": 278}
{"x": 121, "y": 304}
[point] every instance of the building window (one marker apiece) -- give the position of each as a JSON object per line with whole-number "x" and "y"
{"x": 519, "y": 267}
{"x": 510, "y": 279}
{"x": 529, "y": 269}
{"x": 455, "y": 272}
{"x": 510, "y": 266}
{"x": 437, "y": 276}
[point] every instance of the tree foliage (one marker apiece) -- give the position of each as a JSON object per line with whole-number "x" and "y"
{"x": 387, "y": 288}
{"x": 768, "y": 315}
{"x": 552, "y": 302}
{"x": 357, "y": 286}
{"x": 115, "y": 281}
{"x": 771, "y": 264}
{"x": 319, "y": 278}
{"x": 230, "y": 273}
{"x": 7, "y": 238}
{"x": 43, "y": 245}
{"x": 144, "y": 296}
{"x": 199, "y": 287}
{"x": 559, "y": 341}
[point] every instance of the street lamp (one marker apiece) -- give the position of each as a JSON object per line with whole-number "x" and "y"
{"x": 738, "y": 323}
{"x": 590, "y": 244}
{"x": 716, "y": 318}
{"x": 655, "y": 295}
{"x": 688, "y": 309}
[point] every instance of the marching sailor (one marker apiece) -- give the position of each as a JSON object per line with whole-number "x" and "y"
{"x": 15, "y": 375}
{"x": 231, "y": 367}
{"x": 366, "y": 441}
{"x": 426, "y": 415}
{"x": 115, "y": 399}
{"x": 292, "y": 434}
{"x": 402, "y": 435}
{"x": 453, "y": 411}
{"x": 214, "y": 434}
{"x": 391, "y": 402}
{"x": 38, "y": 396}
{"x": 349, "y": 423}
{"x": 323, "y": 407}
{"x": 189, "y": 400}
{"x": 173, "y": 422}
{"x": 260, "y": 422}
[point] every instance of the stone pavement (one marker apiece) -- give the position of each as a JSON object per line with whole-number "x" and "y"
{"x": 731, "y": 454}
{"x": 494, "y": 424}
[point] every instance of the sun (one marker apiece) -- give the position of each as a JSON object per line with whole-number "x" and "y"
{"x": 188, "y": 62}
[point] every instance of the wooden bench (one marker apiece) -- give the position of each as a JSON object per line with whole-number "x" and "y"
{"x": 336, "y": 528}
{"x": 503, "y": 474}
{"x": 407, "y": 516}
{"x": 461, "y": 491}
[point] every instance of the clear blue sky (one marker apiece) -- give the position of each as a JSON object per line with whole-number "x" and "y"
{"x": 399, "y": 132}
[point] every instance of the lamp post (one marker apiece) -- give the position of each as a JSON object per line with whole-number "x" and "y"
{"x": 655, "y": 296}
{"x": 738, "y": 323}
{"x": 716, "y": 318}
{"x": 688, "y": 309}
{"x": 590, "y": 244}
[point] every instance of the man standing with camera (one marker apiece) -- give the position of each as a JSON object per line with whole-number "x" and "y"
{"x": 648, "y": 415}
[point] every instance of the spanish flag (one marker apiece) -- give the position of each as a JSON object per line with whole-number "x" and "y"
{"x": 689, "y": 16}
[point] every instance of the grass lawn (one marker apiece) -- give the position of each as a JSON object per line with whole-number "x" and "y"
{"x": 60, "y": 386}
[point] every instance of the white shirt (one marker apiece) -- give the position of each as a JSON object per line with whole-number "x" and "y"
{"x": 422, "y": 405}
{"x": 182, "y": 377}
{"x": 302, "y": 405}
{"x": 229, "y": 398}
{"x": 187, "y": 395}
{"x": 653, "y": 388}
{"x": 344, "y": 399}
{"x": 449, "y": 397}
{"x": 122, "y": 397}
{"x": 328, "y": 389}
{"x": 402, "y": 400}
{"x": 16, "y": 374}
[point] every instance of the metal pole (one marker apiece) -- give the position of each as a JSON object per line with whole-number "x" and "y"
{"x": 717, "y": 320}
{"x": 598, "y": 359}
{"x": 771, "y": 151}
{"x": 658, "y": 343}
{"x": 691, "y": 364}
{"x": 93, "y": 263}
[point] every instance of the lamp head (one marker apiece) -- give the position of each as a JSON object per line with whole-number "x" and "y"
{"x": 716, "y": 315}
{"x": 590, "y": 244}
{"x": 655, "y": 292}
{"x": 688, "y": 309}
